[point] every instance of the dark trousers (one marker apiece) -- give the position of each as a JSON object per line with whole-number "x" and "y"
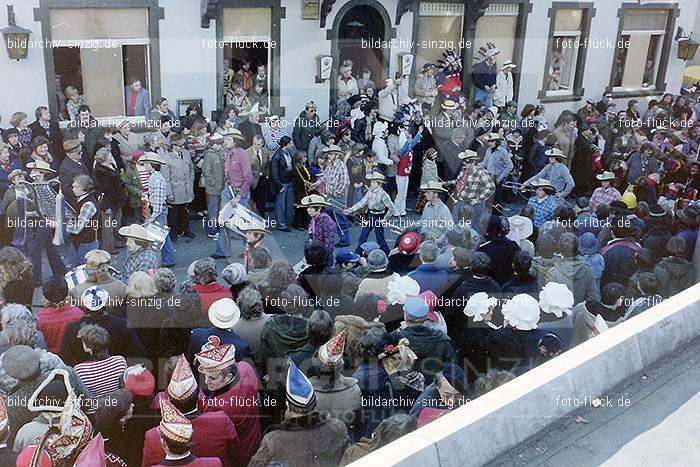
{"x": 38, "y": 240}
{"x": 373, "y": 222}
{"x": 259, "y": 195}
{"x": 178, "y": 220}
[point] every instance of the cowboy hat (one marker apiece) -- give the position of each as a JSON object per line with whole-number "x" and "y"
{"x": 542, "y": 183}
{"x": 40, "y": 165}
{"x": 375, "y": 176}
{"x": 508, "y": 64}
{"x": 520, "y": 228}
{"x": 333, "y": 149}
{"x": 555, "y": 152}
{"x": 605, "y": 176}
{"x": 493, "y": 137}
{"x": 216, "y": 138}
{"x": 137, "y": 232}
{"x": 449, "y": 105}
{"x": 468, "y": 155}
{"x": 153, "y": 158}
{"x": 233, "y": 133}
{"x": 433, "y": 186}
{"x": 253, "y": 226}
{"x": 314, "y": 201}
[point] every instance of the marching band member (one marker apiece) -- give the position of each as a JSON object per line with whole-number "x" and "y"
{"x": 337, "y": 181}
{"x": 557, "y": 173}
{"x": 544, "y": 202}
{"x": 140, "y": 256}
{"x": 18, "y": 205}
{"x": 436, "y": 215}
{"x": 254, "y": 235}
{"x": 321, "y": 226}
{"x": 157, "y": 192}
{"x": 403, "y": 170}
{"x": 473, "y": 187}
{"x": 605, "y": 193}
{"x": 83, "y": 229}
{"x": 41, "y": 233}
{"x": 380, "y": 209}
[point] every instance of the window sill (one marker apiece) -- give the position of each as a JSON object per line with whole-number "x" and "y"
{"x": 544, "y": 98}
{"x": 640, "y": 92}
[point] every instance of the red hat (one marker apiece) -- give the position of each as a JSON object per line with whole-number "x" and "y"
{"x": 431, "y": 300}
{"x": 173, "y": 425}
{"x": 26, "y": 458}
{"x": 93, "y": 455}
{"x": 409, "y": 243}
{"x": 216, "y": 359}
{"x": 139, "y": 381}
{"x": 137, "y": 155}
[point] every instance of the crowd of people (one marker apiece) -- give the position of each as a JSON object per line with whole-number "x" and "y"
{"x": 529, "y": 236}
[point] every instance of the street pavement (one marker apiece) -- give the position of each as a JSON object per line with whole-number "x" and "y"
{"x": 653, "y": 418}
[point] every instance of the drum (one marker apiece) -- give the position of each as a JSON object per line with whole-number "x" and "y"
{"x": 159, "y": 232}
{"x": 234, "y": 216}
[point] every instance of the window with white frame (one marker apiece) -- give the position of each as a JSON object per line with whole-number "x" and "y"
{"x": 639, "y": 49}
{"x": 96, "y": 52}
{"x": 564, "y": 52}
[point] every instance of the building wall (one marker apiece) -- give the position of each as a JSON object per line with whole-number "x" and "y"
{"x": 24, "y": 81}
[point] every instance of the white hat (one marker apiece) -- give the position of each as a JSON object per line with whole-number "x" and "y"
{"x": 508, "y": 64}
{"x": 556, "y": 299}
{"x": 478, "y": 305}
{"x": 224, "y": 313}
{"x": 94, "y": 298}
{"x": 400, "y": 289}
{"x": 520, "y": 228}
{"x": 494, "y": 110}
{"x": 522, "y": 312}
{"x": 379, "y": 128}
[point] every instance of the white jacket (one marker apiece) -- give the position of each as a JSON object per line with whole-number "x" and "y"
{"x": 388, "y": 102}
{"x": 504, "y": 89}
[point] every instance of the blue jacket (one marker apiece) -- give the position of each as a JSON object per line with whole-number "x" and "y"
{"x": 484, "y": 75}
{"x": 537, "y": 158}
{"x": 200, "y": 337}
{"x": 430, "y": 277}
{"x": 143, "y": 101}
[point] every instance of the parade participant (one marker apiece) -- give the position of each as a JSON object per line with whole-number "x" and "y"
{"x": 214, "y": 182}
{"x": 504, "y": 85}
{"x": 425, "y": 88}
{"x": 83, "y": 229}
{"x": 273, "y": 134}
{"x": 380, "y": 209}
{"x": 157, "y": 194}
{"x": 321, "y": 227}
{"x": 557, "y": 173}
{"x": 282, "y": 177}
{"x": 239, "y": 177}
{"x": 233, "y": 388}
{"x": 436, "y": 215}
{"x": 544, "y": 203}
{"x": 260, "y": 169}
{"x": 176, "y": 434}
{"x": 606, "y": 193}
{"x": 71, "y": 167}
{"x": 255, "y": 233}
{"x": 497, "y": 163}
{"x": 379, "y": 146}
{"x": 213, "y": 434}
{"x": 179, "y": 174}
{"x": 140, "y": 254}
{"x": 223, "y": 315}
{"x": 473, "y": 188}
{"x": 403, "y": 168}
{"x": 304, "y": 436}
{"x": 337, "y": 181}
{"x": 484, "y": 75}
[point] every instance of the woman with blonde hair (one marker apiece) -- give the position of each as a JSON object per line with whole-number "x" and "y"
{"x": 73, "y": 102}
{"x": 20, "y": 122}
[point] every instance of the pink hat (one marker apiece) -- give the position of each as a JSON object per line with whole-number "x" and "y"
{"x": 137, "y": 155}
{"x": 431, "y": 300}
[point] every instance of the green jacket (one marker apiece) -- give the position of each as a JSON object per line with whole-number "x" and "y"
{"x": 213, "y": 172}
{"x": 132, "y": 186}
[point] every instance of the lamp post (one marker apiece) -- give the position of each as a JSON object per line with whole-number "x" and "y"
{"x": 16, "y": 37}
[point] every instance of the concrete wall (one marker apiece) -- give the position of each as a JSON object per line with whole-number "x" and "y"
{"x": 24, "y": 81}
{"x": 487, "y": 427}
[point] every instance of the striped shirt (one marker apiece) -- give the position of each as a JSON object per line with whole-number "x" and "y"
{"x": 144, "y": 177}
{"x": 101, "y": 377}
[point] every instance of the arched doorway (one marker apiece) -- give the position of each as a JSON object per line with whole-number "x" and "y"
{"x": 357, "y": 34}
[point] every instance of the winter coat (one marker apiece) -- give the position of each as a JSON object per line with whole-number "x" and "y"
{"x": 304, "y": 130}
{"x": 565, "y": 142}
{"x": 584, "y": 316}
{"x": 581, "y": 166}
{"x": 315, "y": 441}
{"x": 132, "y": 186}
{"x": 576, "y": 275}
{"x": 430, "y": 277}
{"x": 213, "y": 172}
{"x": 179, "y": 173}
{"x": 501, "y": 251}
{"x": 376, "y": 283}
{"x": 675, "y": 275}
{"x": 342, "y": 400}
{"x": 280, "y": 173}
{"x": 109, "y": 188}
{"x": 431, "y": 346}
{"x": 597, "y": 265}
{"x": 619, "y": 261}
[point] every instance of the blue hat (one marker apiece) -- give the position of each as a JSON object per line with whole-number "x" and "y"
{"x": 346, "y": 257}
{"x": 368, "y": 247}
{"x": 455, "y": 376}
{"x": 415, "y": 307}
{"x": 301, "y": 397}
{"x": 588, "y": 243}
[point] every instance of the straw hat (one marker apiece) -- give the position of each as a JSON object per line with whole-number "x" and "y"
{"x": 233, "y": 133}
{"x": 137, "y": 232}
{"x": 41, "y": 165}
{"x": 468, "y": 155}
{"x": 555, "y": 152}
{"x": 253, "y": 226}
{"x": 605, "y": 176}
{"x": 449, "y": 105}
{"x": 333, "y": 149}
{"x": 314, "y": 201}
{"x": 543, "y": 183}
{"x": 375, "y": 176}
{"x": 433, "y": 186}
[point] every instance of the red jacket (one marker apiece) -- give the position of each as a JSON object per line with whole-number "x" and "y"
{"x": 53, "y": 323}
{"x": 214, "y": 436}
{"x": 241, "y": 404}
{"x": 210, "y": 293}
{"x": 192, "y": 461}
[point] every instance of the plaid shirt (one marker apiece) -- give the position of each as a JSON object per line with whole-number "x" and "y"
{"x": 603, "y": 196}
{"x": 322, "y": 228}
{"x": 157, "y": 193}
{"x": 336, "y": 179}
{"x": 87, "y": 211}
{"x": 544, "y": 211}
{"x": 142, "y": 260}
{"x": 479, "y": 187}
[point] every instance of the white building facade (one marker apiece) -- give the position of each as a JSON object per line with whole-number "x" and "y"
{"x": 566, "y": 51}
